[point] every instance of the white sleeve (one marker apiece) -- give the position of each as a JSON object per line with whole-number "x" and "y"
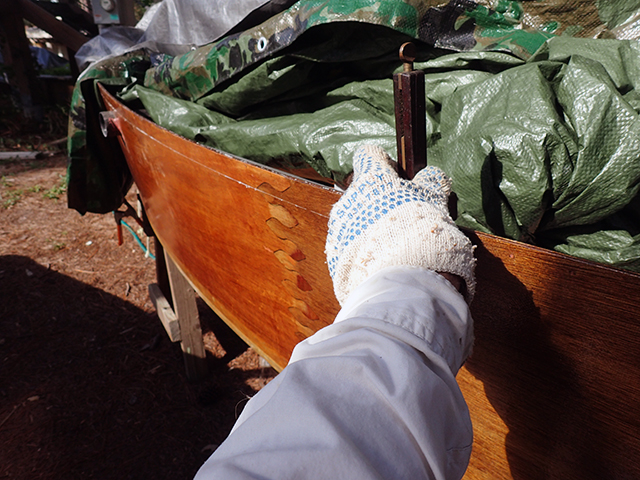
{"x": 371, "y": 396}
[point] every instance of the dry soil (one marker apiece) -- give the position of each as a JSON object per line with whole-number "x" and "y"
{"x": 90, "y": 385}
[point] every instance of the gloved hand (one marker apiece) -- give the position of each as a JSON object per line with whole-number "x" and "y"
{"x": 382, "y": 220}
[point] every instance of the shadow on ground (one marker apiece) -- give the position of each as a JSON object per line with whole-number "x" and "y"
{"x": 91, "y": 387}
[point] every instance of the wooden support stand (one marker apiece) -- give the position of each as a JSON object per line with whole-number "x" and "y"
{"x": 165, "y": 312}
{"x": 181, "y": 321}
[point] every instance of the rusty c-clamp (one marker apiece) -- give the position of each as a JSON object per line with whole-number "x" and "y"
{"x": 131, "y": 212}
{"x": 411, "y": 120}
{"x": 409, "y": 99}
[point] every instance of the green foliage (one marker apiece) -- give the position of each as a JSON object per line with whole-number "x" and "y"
{"x": 57, "y": 71}
{"x": 56, "y": 191}
{"x": 11, "y": 198}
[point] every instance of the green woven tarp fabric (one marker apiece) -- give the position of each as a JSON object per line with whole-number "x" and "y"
{"x": 547, "y": 151}
{"x": 539, "y": 132}
{"x": 320, "y": 30}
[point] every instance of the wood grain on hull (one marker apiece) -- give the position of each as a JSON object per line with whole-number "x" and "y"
{"x": 553, "y": 385}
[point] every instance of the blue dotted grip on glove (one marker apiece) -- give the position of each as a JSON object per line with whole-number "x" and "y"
{"x": 376, "y": 191}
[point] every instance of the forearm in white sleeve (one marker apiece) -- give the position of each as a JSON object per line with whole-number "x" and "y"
{"x": 371, "y": 396}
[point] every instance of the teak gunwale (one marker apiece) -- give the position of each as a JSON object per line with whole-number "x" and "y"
{"x": 553, "y": 385}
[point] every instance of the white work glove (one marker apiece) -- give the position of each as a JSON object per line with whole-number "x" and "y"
{"x": 382, "y": 221}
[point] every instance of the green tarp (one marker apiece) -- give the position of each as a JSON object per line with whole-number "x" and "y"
{"x": 539, "y": 132}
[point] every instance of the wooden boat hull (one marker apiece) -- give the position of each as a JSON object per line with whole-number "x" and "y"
{"x": 553, "y": 385}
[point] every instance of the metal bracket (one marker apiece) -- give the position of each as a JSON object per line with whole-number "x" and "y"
{"x": 409, "y": 99}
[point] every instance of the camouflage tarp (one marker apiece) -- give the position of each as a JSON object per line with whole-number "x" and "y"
{"x": 459, "y": 25}
{"x": 539, "y": 135}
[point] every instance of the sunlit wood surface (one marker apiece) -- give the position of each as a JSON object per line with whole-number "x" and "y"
{"x": 553, "y": 385}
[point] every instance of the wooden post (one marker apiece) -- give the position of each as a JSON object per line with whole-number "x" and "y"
{"x": 17, "y": 55}
{"x": 73, "y": 65}
{"x": 186, "y": 311}
{"x": 162, "y": 276}
{"x": 62, "y": 32}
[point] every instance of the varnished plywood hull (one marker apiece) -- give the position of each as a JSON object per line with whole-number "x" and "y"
{"x": 553, "y": 385}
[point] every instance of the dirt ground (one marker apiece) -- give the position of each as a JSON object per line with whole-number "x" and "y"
{"x": 90, "y": 385}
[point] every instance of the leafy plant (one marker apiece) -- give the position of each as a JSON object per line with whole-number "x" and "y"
{"x": 11, "y": 198}
{"x": 57, "y": 190}
{"x": 5, "y": 182}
